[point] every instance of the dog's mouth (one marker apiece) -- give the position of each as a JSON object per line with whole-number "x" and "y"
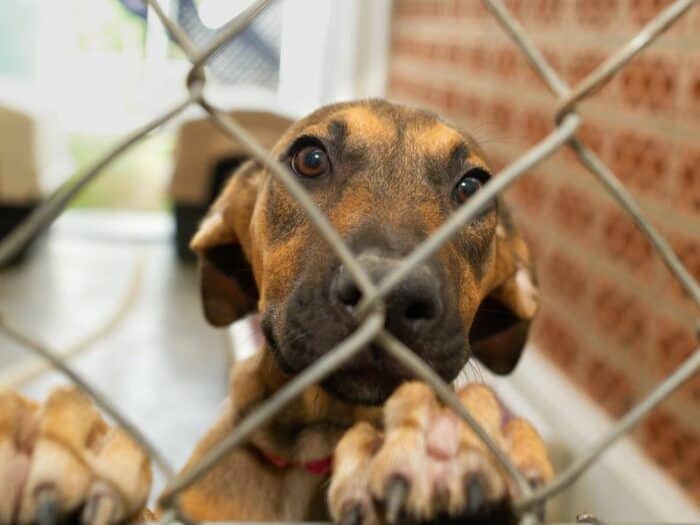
{"x": 369, "y": 378}
{"x": 367, "y": 382}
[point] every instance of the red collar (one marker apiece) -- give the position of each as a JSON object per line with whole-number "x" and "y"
{"x": 319, "y": 467}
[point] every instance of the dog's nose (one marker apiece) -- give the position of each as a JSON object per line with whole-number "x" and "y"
{"x": 412, "y": 307}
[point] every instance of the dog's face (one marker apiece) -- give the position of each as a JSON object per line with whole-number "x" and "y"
{"x": 387, "y": 177}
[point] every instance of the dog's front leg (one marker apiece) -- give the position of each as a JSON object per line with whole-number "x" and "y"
{"x": 245, "y": 484}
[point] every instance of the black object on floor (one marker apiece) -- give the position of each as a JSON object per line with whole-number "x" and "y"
{"x": 188, "y": 215}
{"x": 10, "y": 216}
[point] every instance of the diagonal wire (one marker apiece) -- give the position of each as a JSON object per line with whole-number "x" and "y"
{"x": 100, "y": 399}
{"x": 403, "y": 354}
{"x": 267, "y": 410}
{"x": 52, "y": 207}
{"x": 471, "y": 208}
{"x": 236, "y": 132}
{"x": 594, "y": 81}
{"x": 231, "y": 29}
{"x": 511, "y": 26}
{"x": 611, "y": 183}
{"x": 604, "y": 72}
{"x": 239, "y": 134}
{"x": 535, "y": 155}
{"x": 175, "y": 31}
{"x": 684, "y": 372}
{"x": 374, "y": 320}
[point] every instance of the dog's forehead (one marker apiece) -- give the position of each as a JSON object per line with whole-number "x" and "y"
{"x": 382, "y": 125}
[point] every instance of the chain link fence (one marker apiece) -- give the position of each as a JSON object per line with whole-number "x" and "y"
{"x": 371, "y": 308}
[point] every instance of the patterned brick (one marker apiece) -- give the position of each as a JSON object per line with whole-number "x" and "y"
{"x": 517, "y": 7}
{"x": 566, "y": 277}
{"x": 556, "y": 340}
{"x": 502, "y": 116}
{"x": 535, "y": 243}
{"x": 642, "y": 11}
{"x": 507, "y": 61}
{"x": 622, "y": 318}
{"x": 687, "y": 189}
{"x": 600, "y": 320}
{"x": 649, "y": 81}
{"x": 554, "y": 57}
{"x": 688, "y": 251}
{"x": 625, "y": 244}
{"x": 596, "y": 13}
{"x": 530, "y": 193}
{"x": 692, "y": 96}
{"x": 536, "y": 125}
{"x": 593, "y": 135}
{"x": 547, "y": 12}
{"x": 642, "y": 160}
{"x": 672, "y": 445}
{"x": 674, "y": 343}
{"x": 574, "y": 211}
{"x": 470, "y": 9}
{"x": 607, "y": 385}
{"x": 582, "y": 64}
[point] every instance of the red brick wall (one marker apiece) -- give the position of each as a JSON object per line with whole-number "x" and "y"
{"x": 612, "y": 317}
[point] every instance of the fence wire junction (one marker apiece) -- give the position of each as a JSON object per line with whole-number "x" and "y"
{"x": 371, "y": 307}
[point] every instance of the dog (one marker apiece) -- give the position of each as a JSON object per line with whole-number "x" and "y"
{"x": 369, "y": 444}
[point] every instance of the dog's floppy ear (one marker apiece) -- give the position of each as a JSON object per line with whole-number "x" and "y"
{"x": 502, "y": 321}
{"x": 227, "y": 283}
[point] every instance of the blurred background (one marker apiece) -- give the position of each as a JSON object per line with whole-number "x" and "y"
{"x": 112, "y": 285}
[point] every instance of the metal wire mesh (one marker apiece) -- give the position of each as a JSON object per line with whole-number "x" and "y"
{"x": 372, "y": 307}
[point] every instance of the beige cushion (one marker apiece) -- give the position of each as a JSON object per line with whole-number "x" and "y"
{"x": 201, "y": 144}
{"x": 18, "y": 171}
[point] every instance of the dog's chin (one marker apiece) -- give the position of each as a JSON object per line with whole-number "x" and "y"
{"x": 367, "y": 386}
{"x": 370, "y": 377}
{"x": 354, "y": 383}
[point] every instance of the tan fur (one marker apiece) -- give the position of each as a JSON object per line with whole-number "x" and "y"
{"x": 366, "y": 125}
{"x": 355, "y": 207}
{"x": 437, "y": 138}
{"x": 370, "y": 444}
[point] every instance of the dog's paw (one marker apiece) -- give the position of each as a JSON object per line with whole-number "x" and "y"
{"x": 61, "y": 459}
{"x": 428, "y": 465}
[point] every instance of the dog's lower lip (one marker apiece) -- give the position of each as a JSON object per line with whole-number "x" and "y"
{"x": 376, "y": 351}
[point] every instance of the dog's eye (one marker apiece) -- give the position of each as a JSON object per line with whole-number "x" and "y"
{"x": 470, "y": 183}
{"x": 310, "y": 161}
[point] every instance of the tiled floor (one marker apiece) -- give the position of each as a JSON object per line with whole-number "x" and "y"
{"x": 162, "y": 364}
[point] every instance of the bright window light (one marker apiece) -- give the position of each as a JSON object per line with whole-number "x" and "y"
{"x": 215, "y": 13}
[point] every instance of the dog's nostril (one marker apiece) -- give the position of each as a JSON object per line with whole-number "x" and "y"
{"x": 344, "y": 290}
{"x": 349, "y": 295}
{"x": 419, "y": 310}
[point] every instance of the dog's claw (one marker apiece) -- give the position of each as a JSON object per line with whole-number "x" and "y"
{"x": 352, "y": 515}
{"x": 476, "y": 493}
{"x": 99, "y": 510}
{"x": 47, "y": 506}
{"x": 395, "y": 496}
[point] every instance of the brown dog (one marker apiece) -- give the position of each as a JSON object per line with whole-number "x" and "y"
{"x": 386, "y": 176}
